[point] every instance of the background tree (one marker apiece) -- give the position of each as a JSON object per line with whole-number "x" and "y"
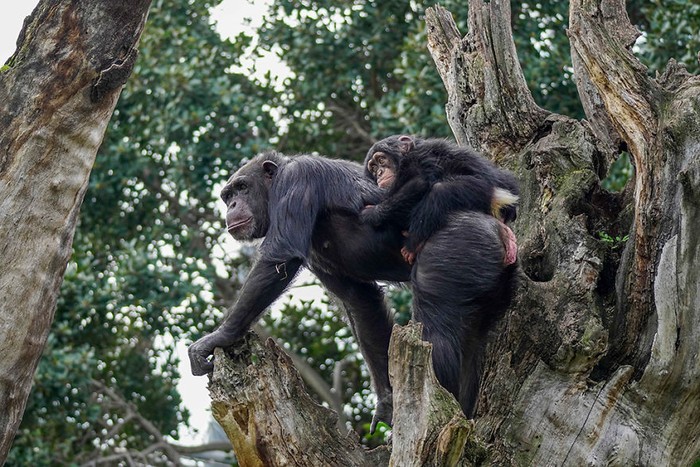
{"x": 142, "y": 273}
{"x": 57, "y": 92}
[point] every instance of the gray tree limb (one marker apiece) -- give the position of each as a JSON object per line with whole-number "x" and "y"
{"x": 590, "y": 364}
{"x": 57, "y": 93}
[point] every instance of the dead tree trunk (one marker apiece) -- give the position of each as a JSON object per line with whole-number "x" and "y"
{"x": 57, "y": 94}
{"x": 262, "y": 405}
{"x": 598, "y": 361}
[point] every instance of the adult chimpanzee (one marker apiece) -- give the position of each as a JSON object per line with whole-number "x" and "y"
{"x": 427, "y": 179}
{"x": 307, "y": 209}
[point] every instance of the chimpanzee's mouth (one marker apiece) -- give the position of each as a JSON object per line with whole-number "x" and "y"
{"x": 385, "y": 180}
{"x": 239, "y": 224}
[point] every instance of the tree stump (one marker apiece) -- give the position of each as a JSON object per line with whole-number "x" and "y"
{"x": 262, "y": 404}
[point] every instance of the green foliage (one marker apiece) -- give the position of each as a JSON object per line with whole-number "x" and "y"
{"x": 62, "y": 384}
{"x": 379, "y": 437}
{"x": 618, "y": 174}
{"x": 359, "y": 70}
{"x": 539, "y": 31}
{"x": 669, "y": 30}
{"x": 401, "y": 302}
{"x": 616, "y": 242}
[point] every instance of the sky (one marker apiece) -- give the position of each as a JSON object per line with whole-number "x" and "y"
{"x": 13, "y": 14}
{"x": 230, "y": 16}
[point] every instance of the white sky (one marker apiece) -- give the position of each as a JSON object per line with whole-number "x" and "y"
{"x": 13, "y": 13}
{"x": 231, "y": 18}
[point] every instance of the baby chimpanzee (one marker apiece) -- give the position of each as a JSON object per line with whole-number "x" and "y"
{"x": 427, "y": 180}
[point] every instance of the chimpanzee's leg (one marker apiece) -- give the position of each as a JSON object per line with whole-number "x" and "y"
{"x": 371, "y": 325}
{"x": 439, "y": 329}
{"x": 460, "y": 289}
{"x": 473, "y": 348}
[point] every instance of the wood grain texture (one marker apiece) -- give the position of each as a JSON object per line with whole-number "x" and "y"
{"x": 597, "y": 361}
{"x": 52, "y": 129}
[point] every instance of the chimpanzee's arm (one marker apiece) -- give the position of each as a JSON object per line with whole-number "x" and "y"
{"x": 266, "y": 281}
{"x": 462, "y": 193}
{"x": 397, "y": 206}
{"x": 414, "y": 177}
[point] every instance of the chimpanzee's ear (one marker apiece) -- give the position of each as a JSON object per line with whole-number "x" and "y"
{"x": 406, "y": 143}
{"x": 270, "y": 169}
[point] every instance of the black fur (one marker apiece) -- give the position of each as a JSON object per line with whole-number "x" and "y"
{"x": 433, "y": 178}
{"x": 460, "y": 290}
{"x": 307, "y": 209}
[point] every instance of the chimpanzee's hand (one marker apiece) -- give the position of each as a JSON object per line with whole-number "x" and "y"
{"x": 371, "y": 215}
{"x": 200, "y": 351}
{"x": 408, "y": 255}
{"x": 382, "y": 413}
{"x": 411, "y": 250}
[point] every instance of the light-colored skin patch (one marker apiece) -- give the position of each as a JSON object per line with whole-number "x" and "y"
{"x": 383, "y": 170}
{"x": 385, "y": 179}
{"x": 510, "y": 244}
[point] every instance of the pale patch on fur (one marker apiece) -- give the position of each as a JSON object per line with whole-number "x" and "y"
{"x": 500, "y": 199}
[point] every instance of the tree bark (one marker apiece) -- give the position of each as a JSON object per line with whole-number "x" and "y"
{"x": 57, "y": 93}
{"x": 597, "y": 363}
{"x": 260, "y": 401}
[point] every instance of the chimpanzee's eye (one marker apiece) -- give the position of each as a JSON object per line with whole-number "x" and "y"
{"x": 226, "y": 194}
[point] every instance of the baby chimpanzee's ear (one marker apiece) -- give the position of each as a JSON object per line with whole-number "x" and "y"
{"x": 270, "y": 169}
{"x": 406, "y": 143}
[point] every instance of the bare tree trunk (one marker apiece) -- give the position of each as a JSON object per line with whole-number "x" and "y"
{"x": 57, "y": 93}
{"x": 598, "y": 361}
{"x": 260, "y": 401}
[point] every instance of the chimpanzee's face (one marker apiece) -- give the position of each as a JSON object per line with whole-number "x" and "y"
{"x": 382, "y": 168}
{"x": 382, "y": 161}
{"x": 246, "y": 196}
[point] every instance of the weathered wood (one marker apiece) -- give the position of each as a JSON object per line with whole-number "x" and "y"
{"x": 260, "y": 401}
{"x": 655, "y": 328}
{"x": 602, "y": 37}
{"x": 429, "y": 426}
{"x": 597, "y": 116}
{"x": 484, "y": 81}
{"x": 262, "y": 404}
{"x": 57, "y": 93}
{"x": 597, "y": 361}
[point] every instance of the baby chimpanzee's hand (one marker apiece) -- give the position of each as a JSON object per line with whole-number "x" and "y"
{"x": 371, "y": 215}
